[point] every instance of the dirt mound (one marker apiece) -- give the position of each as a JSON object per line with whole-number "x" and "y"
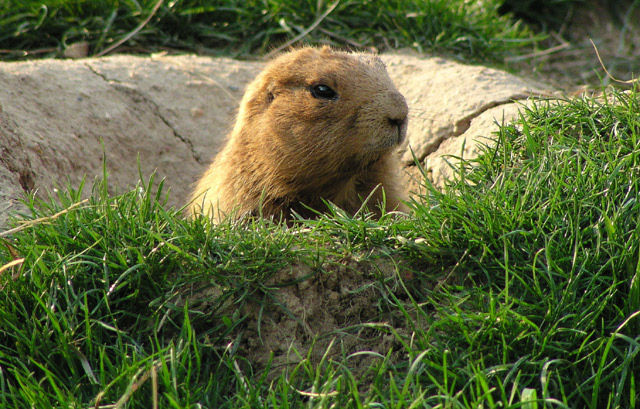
{"x": 318, "y": 311}
{"x": 305, "y": 311}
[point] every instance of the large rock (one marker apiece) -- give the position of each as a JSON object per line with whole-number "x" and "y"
{"x": 170, "y": 114}
{"x": 453, "y": 106}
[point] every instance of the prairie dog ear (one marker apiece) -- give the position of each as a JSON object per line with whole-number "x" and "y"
{"x": 269, "y": 96}
{"x": 260, "y": 96}
{"x": 268, "y": 93}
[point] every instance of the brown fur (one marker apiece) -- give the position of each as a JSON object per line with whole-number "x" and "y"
{"x": 290, "y": 148}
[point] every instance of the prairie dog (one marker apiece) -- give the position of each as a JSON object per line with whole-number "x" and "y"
{"x": 315, "y": 124}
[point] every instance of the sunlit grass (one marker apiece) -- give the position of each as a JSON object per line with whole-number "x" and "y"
{"x": 466, "y": 29}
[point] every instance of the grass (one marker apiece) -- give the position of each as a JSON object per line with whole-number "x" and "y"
{"x": 468, "y": 29}
{"x": 516, "y": 287}
{"x": 523, "y": 288}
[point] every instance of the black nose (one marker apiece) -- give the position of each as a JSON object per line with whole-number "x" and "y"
{"x": 398, "y": 122}
{"x": 400, "y": 125}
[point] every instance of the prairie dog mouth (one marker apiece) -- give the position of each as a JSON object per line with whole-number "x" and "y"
{"x": 402, "y": 132}
{"x": 388, "y": 141}
{"x": 396, "y": 136}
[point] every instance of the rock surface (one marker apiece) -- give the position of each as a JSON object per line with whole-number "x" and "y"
{"x": 170, "y": 115}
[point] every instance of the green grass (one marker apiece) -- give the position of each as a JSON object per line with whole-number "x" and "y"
{"x": 120, "y": 301}
{"x": 469, "y": 29}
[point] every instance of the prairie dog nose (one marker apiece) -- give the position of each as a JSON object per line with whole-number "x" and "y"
{"x": 398, "y": 110}
{"x": 397, "y": 121}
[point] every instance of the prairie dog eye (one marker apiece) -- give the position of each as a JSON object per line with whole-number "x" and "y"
{"x": 322, "y": 91}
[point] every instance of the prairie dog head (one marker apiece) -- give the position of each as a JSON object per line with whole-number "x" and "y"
{"x": 325, "y": 111}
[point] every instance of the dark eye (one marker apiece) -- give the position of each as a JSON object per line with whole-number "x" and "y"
{"x": 322, "y": 91}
